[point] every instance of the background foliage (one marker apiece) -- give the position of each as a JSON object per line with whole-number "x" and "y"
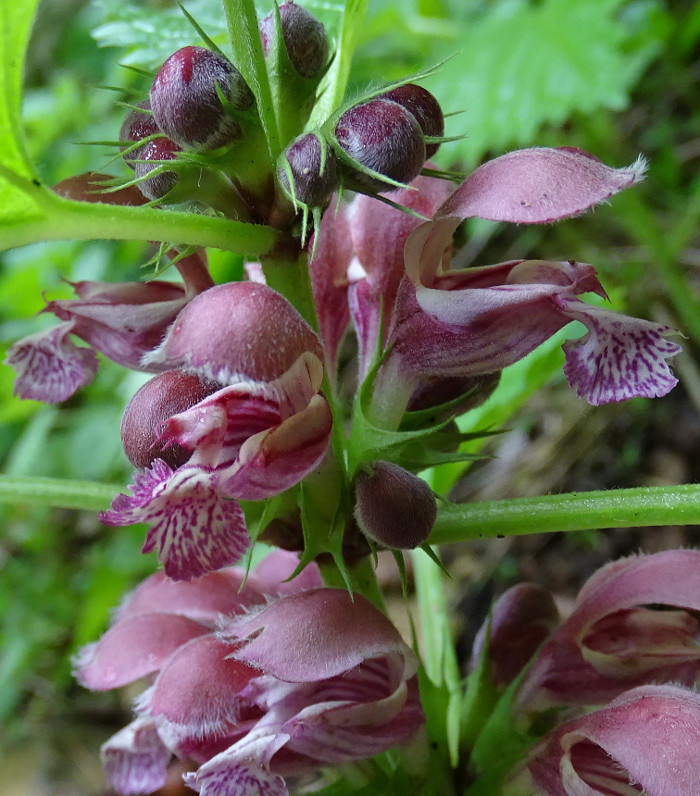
{"x": 610, "y": 76}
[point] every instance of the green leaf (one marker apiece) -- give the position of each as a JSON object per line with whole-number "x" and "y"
{"x": 527, "y": 64}
{"x": 150, "y": 35}
{"x": 16, "y": 171}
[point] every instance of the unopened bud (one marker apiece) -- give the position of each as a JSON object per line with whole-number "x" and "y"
{"x": 149, "y": 157}
{"x": 426, "y": 109}
{"x": 314, "y": 172}
{"x": 304, "y": 37}
{"x": 384, "y": 137}
{"x": 160, "y": 398}
{"x": 137, "y": 125}
{"x": 238, "y": 331}
{"x": 185, "y": 101}
{"x": 394, "y": 507}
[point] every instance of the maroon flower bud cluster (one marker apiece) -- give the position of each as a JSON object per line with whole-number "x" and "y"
{"x": 192, "y": 105}
{"x": 384, "y": 136}
{"x": 304, "y": 36}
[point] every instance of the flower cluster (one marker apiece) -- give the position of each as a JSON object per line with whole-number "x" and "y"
{"x": 252, "y": 679}
{"x": 262, "y": 420}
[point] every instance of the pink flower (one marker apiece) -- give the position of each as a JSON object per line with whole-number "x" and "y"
{"x": 645, "y": 741}
{"x": 123, "y": 321}
{"x": 313, "y": 677}
{"x": 455, "y": 326}
{"x": 260, "y": 434}
{"x": 633, "y": 623}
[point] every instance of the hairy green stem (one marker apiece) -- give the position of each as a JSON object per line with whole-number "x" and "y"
{"x": 57, "y": 492}
{"x": 576, "y": 511}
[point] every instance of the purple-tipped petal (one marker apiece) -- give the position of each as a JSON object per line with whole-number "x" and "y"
{"x": 50, "y": 368}
{"x": 135, "y": 759}
{"x": 284, "y": 639}
{"x": 242, "y": 770}
{"x": 195, "y": 529}
{"x": 133, "y": 648}
{"x": 538, "y": 185}
{"x": 619, "y": 357}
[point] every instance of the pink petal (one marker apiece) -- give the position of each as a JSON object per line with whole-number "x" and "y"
{"x": 196, "y": 530}
{"x": 567, "y": 671}
{"x": 649, "y": 736}
{"x": 337, "y": 731}
{"x": 204, "y": 599}
{"x": 218, "y": 425}
{"x": 270, "y": 462}
{"x": 50, "y": 368}
{"x": 379, "y": 232}
{"x": 538, "y": 185}
{"x": 315, "y": 635}
{"x": 520, "y": 620}
{"x": 124, "y": 321}
{"x": 198, "y": 689}
{"x": 269, "y": 334}
{"x": 132, "y": 649}
{"x": 619, "y": 357}
{"x": 272, "y": 573}
{"x": 328, "y": 272}
{"x": 135, "y": 759}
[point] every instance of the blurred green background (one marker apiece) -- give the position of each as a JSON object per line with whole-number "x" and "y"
{"x": 615, "y": 78}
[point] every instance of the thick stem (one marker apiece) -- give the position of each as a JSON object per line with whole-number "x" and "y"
{"x": 577, "y": 511}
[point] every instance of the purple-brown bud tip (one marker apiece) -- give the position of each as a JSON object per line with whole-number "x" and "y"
{"x": 394, "y": 507}
{"x": 426, "y": 109}
{"x": 185, "y": 101}
{"x": 304, "y": 37}
{"x": 383, "y": 136}
{"x": 160, "y": 398}
{"x": 313, "y": 171}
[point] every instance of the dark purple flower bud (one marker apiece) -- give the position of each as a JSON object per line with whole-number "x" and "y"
{"x": 313, "y": 168}
{"x": 304, "y": 36}
{"x": 383, "y": 136}
{"x": 149, "y": 157}
{"x": 423, "y": 105}
{"x": 160, "y": 398}
{"x": 394, "y": 507}
{"x": 185, "y": 101}
{"x": 136, "y": 126}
